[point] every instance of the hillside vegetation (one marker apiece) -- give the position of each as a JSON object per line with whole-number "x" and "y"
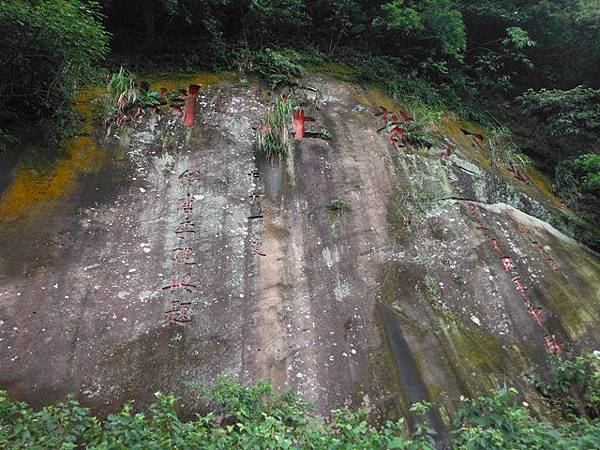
{"x": 258, "y": 418}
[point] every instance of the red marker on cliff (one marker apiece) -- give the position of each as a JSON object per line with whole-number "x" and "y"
{"x": 189, "y": 115}
{"x": 299, "y": 120}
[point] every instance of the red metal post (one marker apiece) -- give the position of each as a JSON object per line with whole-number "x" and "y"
{"x": 299, "y": 120}
{"x": 189, "y": 115}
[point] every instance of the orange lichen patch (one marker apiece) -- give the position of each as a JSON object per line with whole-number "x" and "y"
{"x": 183, "y": 82}
{"x": 543, "y": 184}
{"x": 83, "y": 155}
{"x": 376, "y": 96}
{"x": 87, "y": 109}
{"x": 450, "y": 126}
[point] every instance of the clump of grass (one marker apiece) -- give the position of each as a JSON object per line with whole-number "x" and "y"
{"x": 503, "y": 151}
{"x": 339, "y": 205}
{"x": 120, "y": 93}
{"x": 274, "y": 135}
{"x": 432, "y": 285}
{"x": 419, "y": 131}
{"x": 165, "y": 162}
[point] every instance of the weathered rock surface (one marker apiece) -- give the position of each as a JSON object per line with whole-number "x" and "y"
{"x": 424, "y": 289}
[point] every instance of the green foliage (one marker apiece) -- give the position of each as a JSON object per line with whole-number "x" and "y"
{"x": 63, "y": 425}
{"x": 424, "y": 436}
{"x": 432, "y": 285}
{"x": 572, "y": 113}
{"x": 572, "y": 386}
{"x": 273, "y": 137}
{"x": 49, "y": 47}
{"x": 6, "y": 140}
{"x": 580, "y": 174}
{"x": 120, "y": 93}
{"x": 418, "y": 131}
{"x": 498, "y": 62}
{"x": 257, "y": 417}
{"x": 273, "y": 15}
{"x": 253, "y": 417}
{"x": 497, "y": 422}
{"x": 436, "y": 22}
{"x": 278, "y": 67}
{"x": 578, "y": 184}
{"x": 502, "y": 150}
{"x": 339, "y": 205}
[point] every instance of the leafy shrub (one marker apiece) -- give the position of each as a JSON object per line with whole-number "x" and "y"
{"x": 278, "y": 67}
{"x": 498, "y": 422}
{"x": 432, "y": 285}
{"x": 253, "y": 417}
{"x": 577, "y": 181}
{"x": 572, "y": 386}
{"x": 502, "y": 150}
{"x": 419, "y": 131}
{"x": 574, "y": 113}
{"x": 48, "y": 49}
{"x": 257, "y": 417}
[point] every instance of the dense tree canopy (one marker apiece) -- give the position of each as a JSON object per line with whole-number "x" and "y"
{"x": 48, "y": 50}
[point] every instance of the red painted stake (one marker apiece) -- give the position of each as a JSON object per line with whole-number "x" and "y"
{"x": 299, "y": 120}
{"x": 189, "y": 115}
{"x": 397, "y": 136}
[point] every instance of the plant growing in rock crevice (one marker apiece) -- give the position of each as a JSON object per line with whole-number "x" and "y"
{"x": 418, "y": 131}
{"x": 339, "y": 205}
{"x": 502, "y": 150}
{"x": 120, "y": 93}
{"x": 273, "y": 137}
{"x": 432, "y": 286}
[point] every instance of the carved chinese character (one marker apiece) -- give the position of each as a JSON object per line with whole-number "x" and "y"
{"x": 495, "y": 245}
{"x": 447, "y": 153}
{"x": 472, "y": 209}
{"x": 553, "y": 344}
{"x": 255, "y": 195}
{"x": 187, "y": 226}
{"x": 254, "y": 174}
{"x": 184, "y": 282}
{"x": 536, "y": 312}
{"x": 553, "y": 265}
{"x": 519, "y": 285}
{"x": 188, "y": 176}
{"x": 396, "y": 135}
{"x": 187, "y": 205}
{"x": 179, "y": 312}
{"x": 299, "y": 119}
{"x": 256, "y": 249}
{"x": 384, "y": 113}
{"x": 183, "y": 255}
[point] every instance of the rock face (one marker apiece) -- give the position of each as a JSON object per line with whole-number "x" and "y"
{"x": 439, "y": 277}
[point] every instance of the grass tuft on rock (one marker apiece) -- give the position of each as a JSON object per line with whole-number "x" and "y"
{"x": 273, "y": 137}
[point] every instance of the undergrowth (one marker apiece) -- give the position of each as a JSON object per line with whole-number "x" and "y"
{"x": 256, "y": 417}
{"x": 502, "y": 150}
